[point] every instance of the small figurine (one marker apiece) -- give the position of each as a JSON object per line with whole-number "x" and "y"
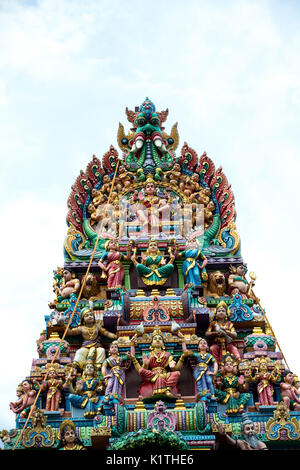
{"x": 90, "y": 329}
{"x": 221, "y": 332}
{"x": 230, "y": 385}
{"x": 113, "y": 268}
{"x": 54, "y": 386}
{"x": 153, "y": 269}
{"x": 68, "y": 438}
{"x": 23, "y": 406}
{"x": 193, "y": 267}
{"x": 265, "y": 378}
{"x": 250, "y": 441}
{"x": 288, "y": 392}
{"x": 112, "y": 371}
{"x": 237, "y": 283}
{"x": 70, "y": 285}
{"x": 87, "y": 392}
{"x": 204, "y": 370}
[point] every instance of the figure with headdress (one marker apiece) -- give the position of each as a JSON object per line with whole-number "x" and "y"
{"x": 230, "y": 386}
{"x": 69, "y": 286}
{"x": 204, "y": 370}
{"x": 221, "y": 332}
{"x": 265, "y": 379}
{"x": 193, "y": 266}
{"x": 112, "y": 371}
{"x": 68, "y": 440}
{"x": 91, "y": 329}
{"x": 113, "y": 267}
{"x": 250, "y": 440}
{"x": 159, "y": 368}
{"x": 87, "y": 392}
{"x": 149, "y": 207}
{"x": 237, "y": 282}
{"x": 53, "y": 386}
{"x": 153, "y": 269}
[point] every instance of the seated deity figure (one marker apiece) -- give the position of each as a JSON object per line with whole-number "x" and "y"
{"x": 230, "y": 387}
{"x": 87, "y": 392}
{"x": 70, "y": 285}
{"x": 237, "y": 283}
{"x": 221, "y": 332}
{"x": 149, "y": 207}
{"x": 90, "y": 329}
{"x": 159, "y": 369}
{"x": 153, "y": 269}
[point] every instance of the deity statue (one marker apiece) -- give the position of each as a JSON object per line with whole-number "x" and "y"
{"x": 193, "y": 266}
{"x": 250, "y": 441}
{"x": 204, "y": 370}
{"x": 159, "y": 368}
{"x": 68, "y": 439}
{"x": 230, "y": 386}
{"x": 112, "y": 371}
{"x": 237, "y": 283}
{"x": 149, "y": 207}
{"x": 113, "y": 268}
{"x": 26, "y": 401}
{"x": 53, "y": 386}
{"x": 90, "y": 329}
{"x": 87, "y": 392}
{"x": 288, "y": 392}
{"x": 70, "y": 285}
{"x": 221, "y": 332}
{"x": 153, "y": 269}
{"x": 265, "y": 378}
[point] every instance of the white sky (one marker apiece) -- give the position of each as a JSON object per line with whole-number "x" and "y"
{"x": 229, "y": 72}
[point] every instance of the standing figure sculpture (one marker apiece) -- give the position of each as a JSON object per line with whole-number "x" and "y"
{"x": 113, "y": 268}
{"x": 91, "y": 349}
{"x": 153, "y": 269}
{"x": 204, "y": 370}
{"x": 265, "y": 378}
{"x": 53, "y": 386}
{"x": 193, "y": 266}
{"x": 221, "y": 332}
{"x": 159, "y": 368}
{"x": 112, "y": 371}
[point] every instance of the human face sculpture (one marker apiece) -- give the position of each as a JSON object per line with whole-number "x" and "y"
{"x": 241, "y": 271}
{"x": 114, "y": 349}
{"x": 89, "y": 317}
{"x": 67, "y": 275}
{"x": 157, "y": 342}
{"x": 152, "y": 248}
{"x": 69, "y": 435}
{"x": 150, "y": 189}
{"x": 89, "y": 370}
{"x": 221, "y": 313}
{"x": 203, "y": 346}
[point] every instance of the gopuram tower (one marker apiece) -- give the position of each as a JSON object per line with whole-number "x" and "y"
{"x": 154, "y": 338}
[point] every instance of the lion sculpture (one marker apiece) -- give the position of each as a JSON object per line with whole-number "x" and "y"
{"x": 92, "y": 291}
{"x": 216, "y": 285}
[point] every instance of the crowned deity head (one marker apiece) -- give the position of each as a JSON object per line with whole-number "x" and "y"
{"x": 157, "y": 340}
{"x": 222, "y": 312}
{"x": 152, "y": 249}
{"x": 87, "y": 316}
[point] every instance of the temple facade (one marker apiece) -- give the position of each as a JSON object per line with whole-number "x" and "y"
{"x": 154, "y": 337}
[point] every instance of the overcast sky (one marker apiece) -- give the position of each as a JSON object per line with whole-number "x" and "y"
{"x": 229, "y": 72}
